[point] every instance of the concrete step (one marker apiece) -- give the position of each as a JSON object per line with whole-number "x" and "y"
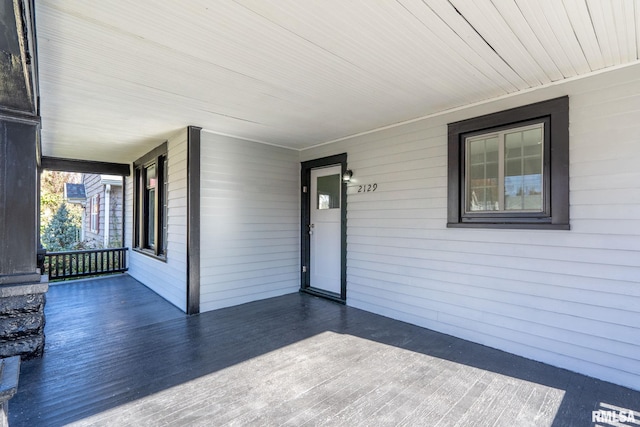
{"x": 9, "y": 373}
{"x": 9, "y": 378}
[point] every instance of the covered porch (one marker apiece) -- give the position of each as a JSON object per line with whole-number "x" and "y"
{"x": 118, "y": 354}
{"x": 217, "y": 116}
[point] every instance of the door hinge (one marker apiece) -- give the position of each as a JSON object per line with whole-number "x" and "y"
{"x": 304, "y": 268}
{"x": 304, "y": 188}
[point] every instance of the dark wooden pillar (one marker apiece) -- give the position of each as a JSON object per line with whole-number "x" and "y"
{"x": 18, "y": 201}
{"x": 22, "y": 288}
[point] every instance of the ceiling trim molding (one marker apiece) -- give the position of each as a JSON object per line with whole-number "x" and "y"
{"x": 251, "y": 140}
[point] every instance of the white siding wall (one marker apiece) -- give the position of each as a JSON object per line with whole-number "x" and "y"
{"x": 92, "y": 187}
{"x": 250, "y": 245}
{"x": 168, "y": 279}
{"x": 568, "y": 298}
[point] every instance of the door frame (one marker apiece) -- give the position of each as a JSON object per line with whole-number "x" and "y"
{"x": 305, "y": 217}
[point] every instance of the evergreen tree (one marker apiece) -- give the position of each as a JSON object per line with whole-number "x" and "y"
{"x": 52, "y": 196}
{"x": 61, "y": 234}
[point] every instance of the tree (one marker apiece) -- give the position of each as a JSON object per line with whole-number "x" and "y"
{"x": 61, "y": 234}
{"x": 52, "y": 196}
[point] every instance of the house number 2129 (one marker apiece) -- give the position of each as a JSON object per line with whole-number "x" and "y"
{"x": 366, "y": 188}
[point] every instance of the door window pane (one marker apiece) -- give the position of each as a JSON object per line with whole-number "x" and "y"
{"x": 328, "y": 188}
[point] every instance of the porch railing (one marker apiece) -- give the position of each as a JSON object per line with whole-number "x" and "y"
{"x": 71, "y": 264}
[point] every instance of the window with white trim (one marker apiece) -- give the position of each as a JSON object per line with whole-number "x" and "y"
{"x": 94, "y": 214}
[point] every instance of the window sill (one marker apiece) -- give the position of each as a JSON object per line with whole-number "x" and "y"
{"x": 508, "y": 225}
{"x": 150, "y": 254}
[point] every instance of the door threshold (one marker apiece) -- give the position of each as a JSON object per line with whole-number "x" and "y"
{"x": 324, "y": 294}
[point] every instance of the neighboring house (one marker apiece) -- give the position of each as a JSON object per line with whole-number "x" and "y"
{"x": 75, "y": 193}
{"x": 102, "y": 222}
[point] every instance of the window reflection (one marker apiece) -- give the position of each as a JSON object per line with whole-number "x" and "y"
{"x": 523, "y": 170}
{"x": 505, "y": 170}
{"x": 328, "y": 188}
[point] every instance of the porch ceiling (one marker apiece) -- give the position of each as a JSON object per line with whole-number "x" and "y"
{"x": 118, "y": 77}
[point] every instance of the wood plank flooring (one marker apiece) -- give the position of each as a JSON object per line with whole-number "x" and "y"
{"x": 118, "y": 354}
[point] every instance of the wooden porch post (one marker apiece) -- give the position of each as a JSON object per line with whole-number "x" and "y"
{"x": 22, "y": 287}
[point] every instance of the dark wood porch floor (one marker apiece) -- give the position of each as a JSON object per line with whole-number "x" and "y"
{"x": 118, "y": 354}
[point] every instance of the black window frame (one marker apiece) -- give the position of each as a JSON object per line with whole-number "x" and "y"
{"x": 155, "y": 158}
{"x": 554, "y": 113}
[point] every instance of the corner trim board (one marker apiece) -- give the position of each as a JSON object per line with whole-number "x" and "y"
{"x": 193, "y": 219}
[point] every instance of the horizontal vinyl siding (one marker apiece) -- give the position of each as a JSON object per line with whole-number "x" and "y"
{"x": 249, "y": 244}
{"x": 569, "y": 298}
{"x": 168, "y": 279}
{"x": 115, "y": 222}
{"x": 92, "y": 186}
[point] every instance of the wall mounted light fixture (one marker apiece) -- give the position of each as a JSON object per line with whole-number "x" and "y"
{"x": 346, "y": 176}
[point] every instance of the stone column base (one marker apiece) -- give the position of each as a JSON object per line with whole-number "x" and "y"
{"x": 22, "y": 318}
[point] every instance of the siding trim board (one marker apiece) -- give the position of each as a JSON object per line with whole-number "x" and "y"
{"x": 123, "y": 233}
{"x": 193, "y": 219}
{"x": 305, "y": 215}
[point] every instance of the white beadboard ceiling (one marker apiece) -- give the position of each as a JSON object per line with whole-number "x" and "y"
{"x": 117, "y": 77}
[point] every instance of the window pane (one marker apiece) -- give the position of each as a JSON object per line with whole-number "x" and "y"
{"x": 523, "y": 170}
{"x": 532, "y": 139}
{"x": 151, "y": 219}
{"x": 328, "y": 188}
{"x": 151, "y": 176}
{"x": 482, "y": 175}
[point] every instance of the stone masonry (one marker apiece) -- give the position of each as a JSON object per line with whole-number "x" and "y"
{"x": 22, "y": 319}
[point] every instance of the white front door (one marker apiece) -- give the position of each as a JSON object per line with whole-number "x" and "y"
{"x": 325, "y": 229}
